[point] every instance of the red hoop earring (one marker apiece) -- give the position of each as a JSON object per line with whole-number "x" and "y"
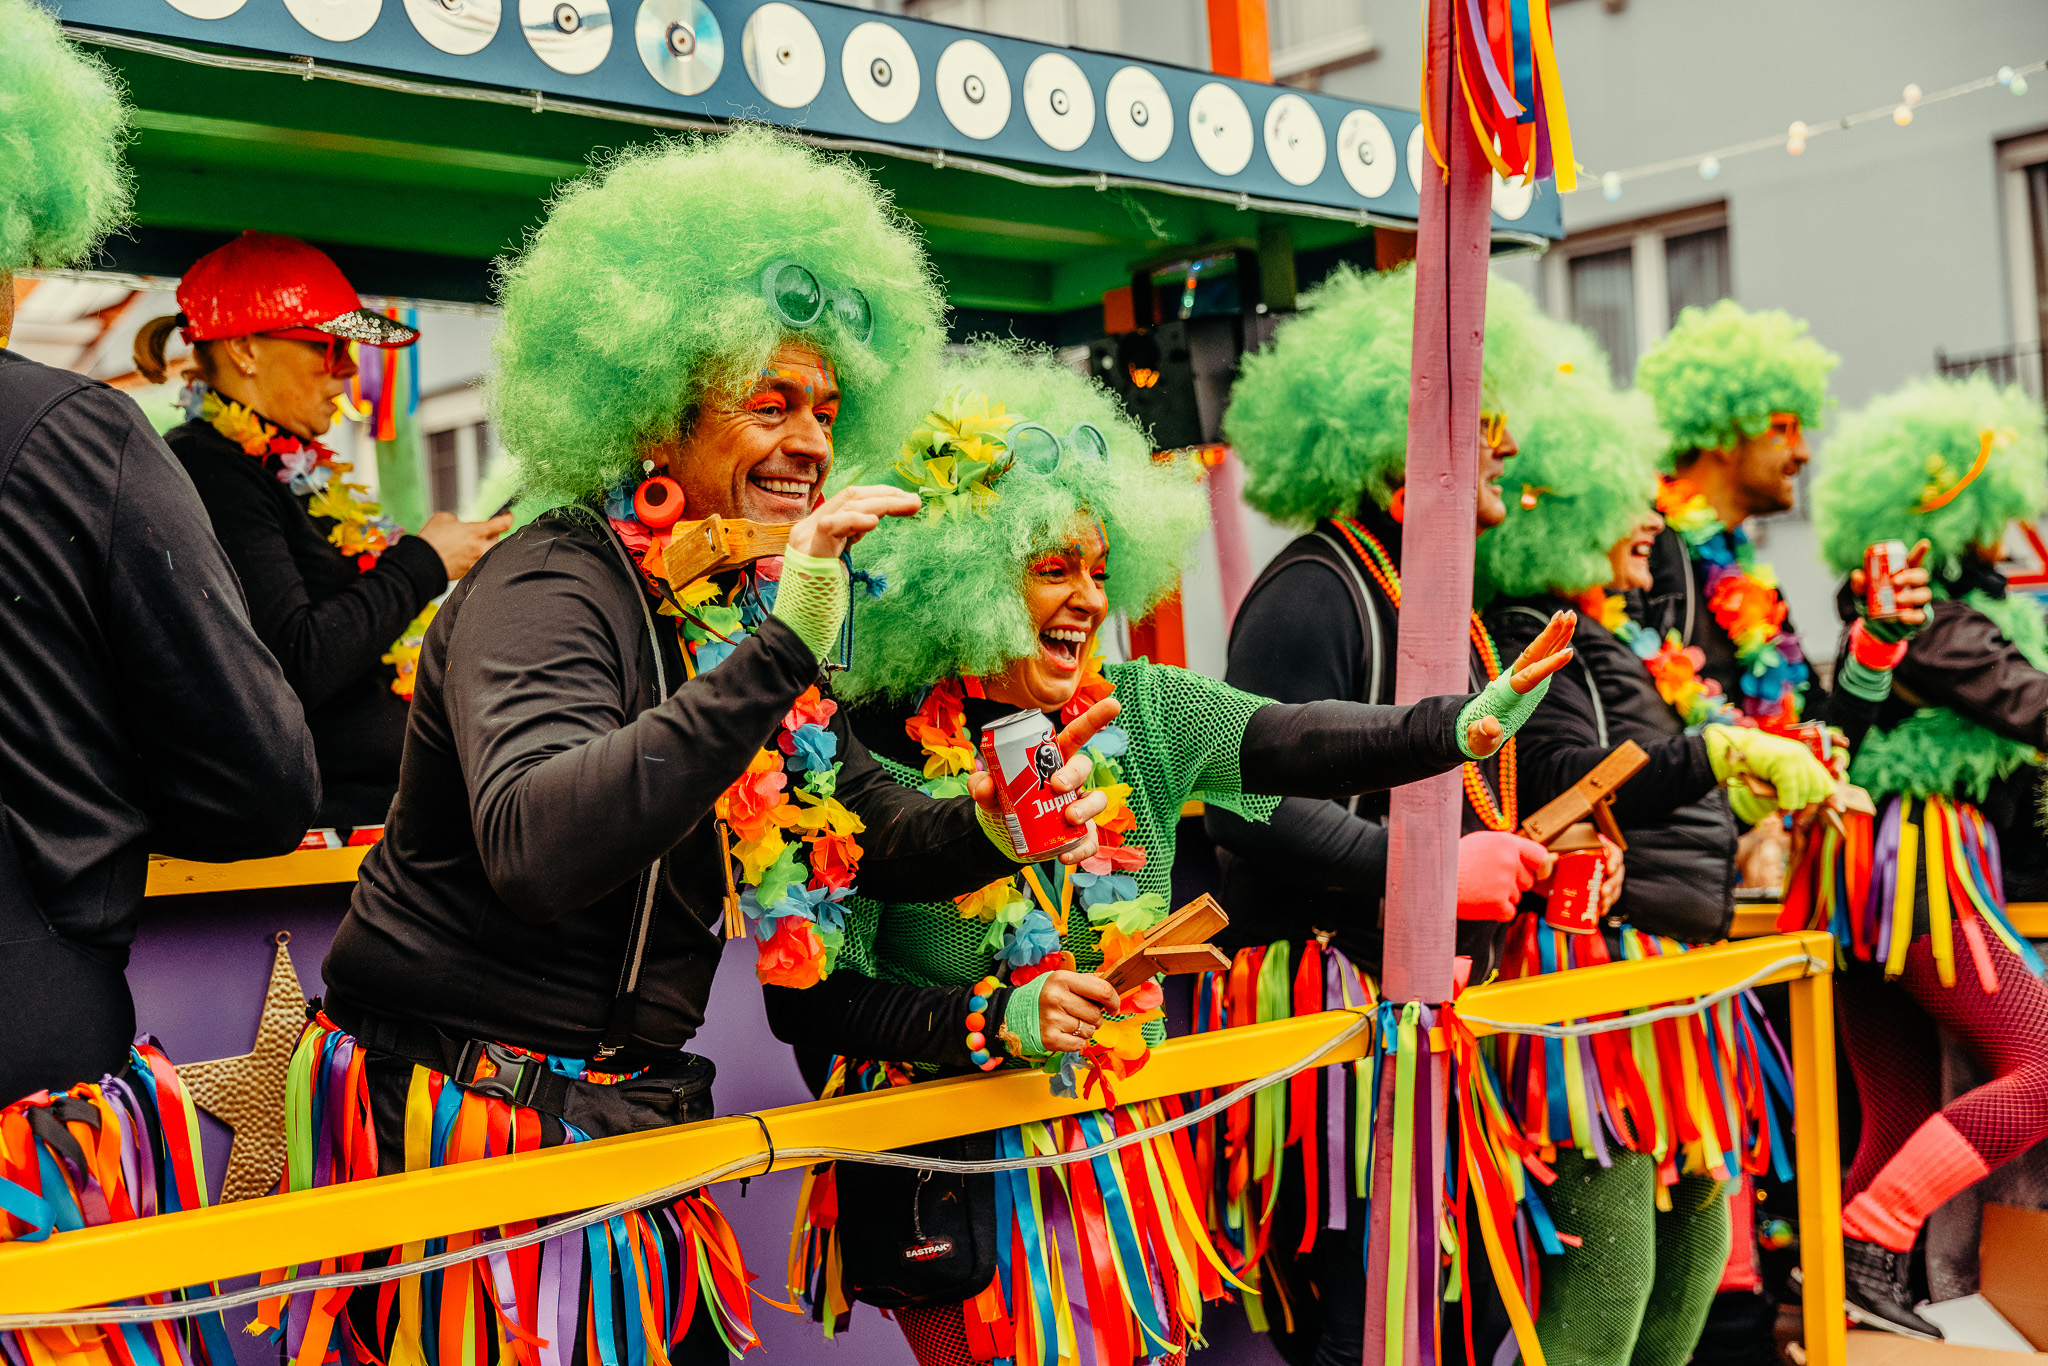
{"x": 1397, "y": 505}
{"x": 658, "y": 503}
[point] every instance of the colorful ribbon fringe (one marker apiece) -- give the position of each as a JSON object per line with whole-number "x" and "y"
{"x": 125, "y": 1147}
{"x": 1507, "y": 82}
{"x": 1695, "y": 1092}
{"x": 1860, "y": 884}
{"x": 1122, "y": 1235}
{"x": 530, "y": 1306}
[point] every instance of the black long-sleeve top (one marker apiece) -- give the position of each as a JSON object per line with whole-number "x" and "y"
{"x": 1962, "y": 661}
{"x": 1322, "y": 864}
{"x": 1320, "y": 750}
{"x": 328, "y": 622}
{"x": 543, "y": 773}
{"x": 138, "y": 710}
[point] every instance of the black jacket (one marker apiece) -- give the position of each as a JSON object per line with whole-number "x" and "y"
{"x": 138, "y": 711}
{"x": 328, "y": 623}
{"x": 1318, "y": 864}
{"x": 1677, "y": 601}
{"x": 1960, "y": 660}
{"x": 543, "y": 773}
{"x": 1681, "y": 855}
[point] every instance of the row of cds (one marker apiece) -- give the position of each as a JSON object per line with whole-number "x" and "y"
{"x": 683, "y": 47}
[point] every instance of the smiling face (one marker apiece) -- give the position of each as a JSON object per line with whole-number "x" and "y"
{"x": 764, "y": 454}
{"x": 1767, "y": 467}
{"x": 1630, "y": 556}
{"x": 1064, "y": 594}
{"x": 1496, "y": 447}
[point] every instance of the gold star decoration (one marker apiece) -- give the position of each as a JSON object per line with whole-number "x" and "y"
{"x": 247, "y": 1093}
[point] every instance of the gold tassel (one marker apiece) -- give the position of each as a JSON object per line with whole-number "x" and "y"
{"x": 735, "y": 919}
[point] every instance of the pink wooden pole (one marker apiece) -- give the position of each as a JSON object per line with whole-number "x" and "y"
{"x": 1436, "y": 604}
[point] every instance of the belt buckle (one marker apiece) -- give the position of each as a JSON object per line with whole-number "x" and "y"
{"x": 515, "y": 1079}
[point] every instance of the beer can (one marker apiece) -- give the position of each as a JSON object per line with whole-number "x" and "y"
{"x": 1022, "y": 756}
{"x": 1882, "y": 564}
{"x": 1574, "y": 902}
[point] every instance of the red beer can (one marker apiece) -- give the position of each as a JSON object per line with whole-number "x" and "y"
{"x": 1574, "y": 902}
{"x": 1022, "y": 756}
{"x": 1882, "y": 564}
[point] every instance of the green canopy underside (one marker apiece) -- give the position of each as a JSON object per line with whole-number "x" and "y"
{"x": 222, "y": 150}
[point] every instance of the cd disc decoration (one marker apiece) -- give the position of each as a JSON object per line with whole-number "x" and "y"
{"x": 455, "y": 26}
{"x": 783, "y": 54}
{"x": 1365, "y": 153}
{"x": 338, "y": 21}
{"x": 1512, "y": 197}
{"x": 974, "y": 90}
{"x": 1221, "y": 127}
{"x": 1415, "y": 157}
{"x": 1058, "y": 101}
{"x": 572, "y": 36}
{"x": 207, "y": 9}
{"x": 1294, "y": 140}
{"x": 880, "y": 72}
{"x": 1139, "y": 114}
{"x": 679, "y": 42}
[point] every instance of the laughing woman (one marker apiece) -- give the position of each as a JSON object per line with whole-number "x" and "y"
{"x": 1042, "y": 514}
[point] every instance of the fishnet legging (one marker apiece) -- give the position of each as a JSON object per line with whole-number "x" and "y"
{"x": 1896, "y": 1056}
{"x": 938, "y": 1337}
{"x": 1636, "y": 1291}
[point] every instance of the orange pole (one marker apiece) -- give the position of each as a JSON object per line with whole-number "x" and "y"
{"x": 1238, "y": 45}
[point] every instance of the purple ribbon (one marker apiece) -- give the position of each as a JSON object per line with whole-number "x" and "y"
{"x": 1336, "y": 1126}
{"x": 1423, "y": 1270}
{"x": 1502, "y": 95}
{"x": 1884, "y": 871}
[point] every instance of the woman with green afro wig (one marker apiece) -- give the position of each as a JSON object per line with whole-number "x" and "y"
{"x": 622, "y": 747}
{"x": 1636, "y": 1284}
{"x": 1953, "y": 763}
{"x": 1043, "y": 512}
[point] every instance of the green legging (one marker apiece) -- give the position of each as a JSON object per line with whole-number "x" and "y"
{"x": 1636, "y": 1291}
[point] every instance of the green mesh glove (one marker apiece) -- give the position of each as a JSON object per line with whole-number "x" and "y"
{"x": 812, "y": 600}
{"x": 1020, "y": 1016}
{"x": 1787, "y": 765}
{"x": 1501, "y": 701}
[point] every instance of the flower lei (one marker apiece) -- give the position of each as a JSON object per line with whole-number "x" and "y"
{"x": 1742, "y": 596}
{"x": 314, "y": 472}
{"x": 1027, "y": 914}
{"x": 786, "y": 840}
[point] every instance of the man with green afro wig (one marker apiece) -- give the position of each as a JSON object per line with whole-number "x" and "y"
{"x": 1320, "y": 420}
{"x": 1044, "y": 513}
{"x": 1736, "y": 393}
{"x": 139, "y": 712}
{"x": 1633, "y": 1286}
{"x": 1953, "y": 762}
{"x": 623, "y": 747}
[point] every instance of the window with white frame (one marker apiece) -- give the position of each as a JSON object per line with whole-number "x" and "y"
{"x": 2023, "y": 186}
{"x": 459, "y": 446}
{"x": 1625, "y": 283}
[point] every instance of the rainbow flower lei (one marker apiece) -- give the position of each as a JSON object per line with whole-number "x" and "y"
{"x": 789, "y": 843}
{"x": 1742, "y": 596}
{"x": 1027, "y": 914}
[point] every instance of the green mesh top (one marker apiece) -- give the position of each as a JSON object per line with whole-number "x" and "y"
{"x": 1184, "y": 730}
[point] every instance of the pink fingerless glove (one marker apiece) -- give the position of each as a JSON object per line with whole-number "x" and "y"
{"x": 1494, "y": 869}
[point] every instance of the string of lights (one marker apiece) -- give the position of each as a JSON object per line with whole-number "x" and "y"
{"x": 1795, "y": 137}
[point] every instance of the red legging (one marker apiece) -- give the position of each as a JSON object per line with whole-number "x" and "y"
{"x": 1897, "y": 1057}
{"x": 938, "y": 1337}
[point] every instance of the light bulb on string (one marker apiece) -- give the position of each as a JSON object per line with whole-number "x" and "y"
{"x": 1709, "y": 167}
{"x": 1610, "y": 187}
{"x": 2019, "y": 85}
{"x": 2004, "y": 75}
{"x": 1795, "y": 138}
{"x": 1911, "y": 95}
{"x": 1903, "y": 115}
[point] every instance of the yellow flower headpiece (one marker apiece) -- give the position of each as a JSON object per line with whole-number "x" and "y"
{"x": 959, "y": 451}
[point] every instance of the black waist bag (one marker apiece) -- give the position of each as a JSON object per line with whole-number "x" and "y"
{"x": 918, "y": 1239}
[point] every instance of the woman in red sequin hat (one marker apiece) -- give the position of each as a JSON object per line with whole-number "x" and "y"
{"x": 335, "y": 587}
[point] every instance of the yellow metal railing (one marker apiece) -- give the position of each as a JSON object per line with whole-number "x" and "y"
{"x": 2030, "y": 918}
{"x": 118, "y": 1261}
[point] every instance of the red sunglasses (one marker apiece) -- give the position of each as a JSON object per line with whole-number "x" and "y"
{"x": 336, "y": 346}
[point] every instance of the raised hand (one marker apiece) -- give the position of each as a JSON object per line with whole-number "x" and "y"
{"x": 841, "y": 520}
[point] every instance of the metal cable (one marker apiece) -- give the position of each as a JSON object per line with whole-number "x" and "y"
{"x": 751, "y": 1163}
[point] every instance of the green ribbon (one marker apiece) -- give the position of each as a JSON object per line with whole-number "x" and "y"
{"x": 1401, "y": 1207}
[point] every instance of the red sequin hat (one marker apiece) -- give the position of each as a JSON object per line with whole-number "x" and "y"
{"x": 278, "y": 286}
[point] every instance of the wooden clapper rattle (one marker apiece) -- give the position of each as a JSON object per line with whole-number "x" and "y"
{"x": 1562, "y": 824}
{"x": 1178, "y": 943}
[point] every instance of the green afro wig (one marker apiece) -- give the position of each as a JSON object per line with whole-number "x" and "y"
{"x": 1320, "y": 417}
{"x": 954, "y": 602}
{"x": 1589, "y": 461}
{"x": 1916, "y": 447}
{"x": 642, "y": 292}
{"x": 63, "y": 121}
{"x": 1721, "y": 372}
